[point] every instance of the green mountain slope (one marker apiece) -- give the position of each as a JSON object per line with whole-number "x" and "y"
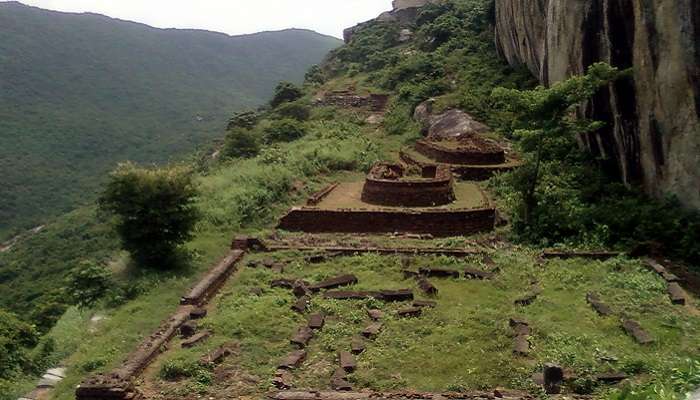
{"x": 79, "y": 92}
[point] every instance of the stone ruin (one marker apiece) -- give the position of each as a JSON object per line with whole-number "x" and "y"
{"x": 390, "y": 184}
{"x": 396, "y": 198}
{"x": 350, "y": 99}
{"x": 454, "y": 139}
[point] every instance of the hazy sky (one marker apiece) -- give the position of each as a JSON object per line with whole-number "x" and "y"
{"x": 231, "y": 16}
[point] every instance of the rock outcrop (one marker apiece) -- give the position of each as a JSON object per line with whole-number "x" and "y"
{"x": 404, "y": 12}
{"x": 653, "y": 132}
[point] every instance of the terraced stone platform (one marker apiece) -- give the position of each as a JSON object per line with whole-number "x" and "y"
{"x": 468, "y": 172}
{"x": 342, "y": 210}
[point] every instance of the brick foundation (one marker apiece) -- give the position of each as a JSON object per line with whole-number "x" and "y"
{"x": 437, "y": 223}
{"x": 434, "y": 188}
{"x": 476, "y": 152}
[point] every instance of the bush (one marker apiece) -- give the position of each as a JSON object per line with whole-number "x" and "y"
{"x": 286, "y": 92}
{"x": 16, "y": 337}
{"x": 284, "y": 130}
{"x": 244, "y": 120}
{"x": 399, "y": 119}
{"x": 315, "y": 76}
{"x": 154, "y": 209}
{"x": 295, "y": 110}
{"x": 87, "y": 284}
{"x": 241, "y": 143}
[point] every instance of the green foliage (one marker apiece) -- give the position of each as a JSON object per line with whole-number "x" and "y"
{"x": 315, "y": 76}
{"x": 285, "y": 92}
{"x": 241, "y": 142}
{"x": 398, "y": 119}
{"x": 65, "y": 122}
{"x": 368, "y": 41}
{"x": 155, "y": 210}
{"x": 284, "y": 130}
{"x": 87, "y": 284}
{"x": 298, "y": 110}
{"x": 546, "y": 131}
{"x": 244, "y": 120}
{"x": 16, "y": 337}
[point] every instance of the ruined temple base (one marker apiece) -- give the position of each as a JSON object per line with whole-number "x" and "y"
{"x": 463, "y": 171}
{"x": 343, "y": 211}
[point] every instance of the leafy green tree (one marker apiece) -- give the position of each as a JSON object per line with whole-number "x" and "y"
{"x": 285, "y": 92}
{"x": 284, "y": 130}
{"x": 297, "y": 110}
{"x": 245, "y": 120}
{"x": 241, "y": 143}
{"x": 16, "y": 337}
{"x": 546, "y": 125}
{"x": 314, "y": 76}
{"x": 154, "y": 208}
{"x": 87, "y": 284}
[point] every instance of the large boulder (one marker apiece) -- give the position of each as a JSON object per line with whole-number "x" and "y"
{"x": 451, "y": 124}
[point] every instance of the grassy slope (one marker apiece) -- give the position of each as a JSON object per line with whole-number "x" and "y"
{"x": 81, "y": 92}
{"x": 463, "y": 342}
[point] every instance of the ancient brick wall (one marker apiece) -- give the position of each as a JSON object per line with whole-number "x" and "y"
{"x": 485, "y": 156}
{"x": 437, "y": 223}
{"x": 424, "y": 192}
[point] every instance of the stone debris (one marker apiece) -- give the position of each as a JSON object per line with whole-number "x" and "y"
{"x": 216, "y": 356}
{"x": 301, "y": 305}
{"x": 357, "y": 346}
{"x": 662, "y": 271}
{"x": 334, "y": 283}
{"x": 293, "y": 360}
{"x": 471, "y": 273}
{"x": 110, "y": 387}
{"x": 372, "y": 330}
{"x": 212, "y": 281}
{"x": 406, "y": 395}
{"x": 600, "y": 307}
{"x": 339, "y": 380}
{"x": 522, "y": 330}
{"x": 283, "y": 379}
{"x": 375, "y": 315}
{"x": 488, "y": 261}
{"x": 529, "y": 298}
{"x": 283, "y": 283}
{"x": 634, "y": 329}
{"x": 196, "y": 339}
{"x": 553, "y": 378}
{"x": 256, "y": 291}
{"x": 316, "y": 321}
{"x": 300, "y": 289}
{"x": 424, "y": 304}
{"x": 611, "y": 377}
{"x": 351, "y": 295}
{"x": 302, "y": 337}
{"x": 397, "y": 295}
{"x": 198, "y": 313}
{"x": 408, "y": 274}
{"x": 410, "y": 312}
{"x": 347, "y": 361}
{"x": 426, "y": 287}
{"x": 188, "y": 329}
{"x": 677, "y": 294}
{"x": 439, "y": 272}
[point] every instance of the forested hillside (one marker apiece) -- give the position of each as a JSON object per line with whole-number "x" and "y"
{"x": 79, "y": 92}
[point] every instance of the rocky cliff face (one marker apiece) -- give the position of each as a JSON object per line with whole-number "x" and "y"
{"x": 653, "y": 134}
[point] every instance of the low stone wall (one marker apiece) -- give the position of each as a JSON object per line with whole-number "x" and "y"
{"x": 487, "y": 155}
{"x": 318, "y": 197}
{"x": 465, "y": 172}
{"x": 117, "y": 385}
{"x": 346, "y": 99}
{"x": 437, "y": 223}
{"x": 434, "y": 189}
{"x": 212, "y": 280}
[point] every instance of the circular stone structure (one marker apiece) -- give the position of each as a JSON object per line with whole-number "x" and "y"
{"x": 388, "y": 185}
{"x": 472, "y": 150}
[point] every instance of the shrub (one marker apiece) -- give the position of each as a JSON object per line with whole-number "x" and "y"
{"x": 244, "y": 120}
{"x": 399, "y": 119}
{"x": 285, "y": 92}
{"x": 87, "y": 284}
{"x": 295, "y": 110}
{"x": 314, "y": 76}
{"x": 284, "y": 130}
{"x": 154, "y": 209}
{"x": 16, "y": 337}
{"x": 241, "y": 143}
